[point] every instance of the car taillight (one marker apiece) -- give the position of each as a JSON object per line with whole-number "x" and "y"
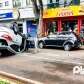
{"x": 7, "y": 37}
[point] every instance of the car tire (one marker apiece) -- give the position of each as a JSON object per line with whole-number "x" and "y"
{"x": 41, "y": 45}
{"x": 67, "y": 47}
{"x": 0, "y": 54}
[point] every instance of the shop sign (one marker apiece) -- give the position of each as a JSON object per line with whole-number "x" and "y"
{"x": 6, "y": 15}
{"x": 9, "y": 14}
{"x": 27, "y": 13}
{"x": 81, "y": 11}
{"x": 63, "y": 12}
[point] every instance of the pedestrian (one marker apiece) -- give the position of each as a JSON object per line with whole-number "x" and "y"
{"x": 75, "y": 30}
{"x": 70, "y": 30}
{"x": 14, "y": 27}
{"x": 82, "y": 29}
{"x": 82, "y": 34}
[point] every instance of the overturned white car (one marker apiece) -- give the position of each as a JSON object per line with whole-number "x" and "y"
{"x": 11, "y": 41}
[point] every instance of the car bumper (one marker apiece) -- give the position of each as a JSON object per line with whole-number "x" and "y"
{"x": 77, "y": 44}
{"x": 8, "y": 48}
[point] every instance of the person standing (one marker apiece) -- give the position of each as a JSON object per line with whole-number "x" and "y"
{"x": 76, "y": 29}
{"x": 14, "y": 27}
{"x": 70, "y": 30}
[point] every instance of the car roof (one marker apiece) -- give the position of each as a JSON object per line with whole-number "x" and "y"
{"x": 62, "y": 32}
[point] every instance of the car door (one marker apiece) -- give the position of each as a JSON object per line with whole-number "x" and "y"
{"x": 61, "y": 38}
{"x": 17, "y": 39}
{"x": 51, "y": 40}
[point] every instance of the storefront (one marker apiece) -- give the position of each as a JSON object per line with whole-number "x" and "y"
{"x": 28, "y": 17}
{"x": 32, "y": 28}
{"x": 63, "y": 19}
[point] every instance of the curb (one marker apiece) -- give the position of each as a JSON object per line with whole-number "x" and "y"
{"x": 18, "y": 78}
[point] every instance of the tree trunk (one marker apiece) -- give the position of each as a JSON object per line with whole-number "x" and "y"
{"x": 40, "y": 25}
{"x": 38, "y": 14}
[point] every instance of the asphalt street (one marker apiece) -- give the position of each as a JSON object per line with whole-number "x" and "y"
{"x": 49, "y": 66}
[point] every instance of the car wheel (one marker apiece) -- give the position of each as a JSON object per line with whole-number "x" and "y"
{"x": 67, "y": 47}
{"x": 15, "y": 48}
{"x": 0, "y": 53}
{"x": 41, "y": 45}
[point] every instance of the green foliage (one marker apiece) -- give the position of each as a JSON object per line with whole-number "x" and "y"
{"x": 4, "y": 82}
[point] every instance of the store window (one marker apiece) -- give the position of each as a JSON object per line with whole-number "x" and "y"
{"x": 28, "y": 2}
{"x": 53, "y": 3}
{"x": 67, "y": 2}
{"x": 6, "y": 3}
{"x": 75, "y": 2}
{"x": 32, "y": 28}
{"x": 1, "y": 4}
{"x": 71, "y": 2}
{"x": 52, "y": 27}
{"x": 69, "y": 25}
{"x": 20, "y": 27}
{"x": 81, "y": 1}
{"x": 57, "y": 3}
{"x": 16, "y": 3}
{"x": 82, "y": 27}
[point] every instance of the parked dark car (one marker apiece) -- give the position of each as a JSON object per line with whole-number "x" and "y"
{"x": 67, "y": 40}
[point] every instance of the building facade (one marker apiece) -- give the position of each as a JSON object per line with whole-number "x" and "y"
{"x": 6, "y": 12}
{"x": 16, "y": 10}
{"x": 63, "y": 15}
{"x": 20, "y": 11}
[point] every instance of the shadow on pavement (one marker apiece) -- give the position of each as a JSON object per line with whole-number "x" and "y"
{"x": 52, "y": 47}
{"x": 59, "y": 48}
{"x": 59, "y": 66}
{"x": 5, "y": 53}
{"x": 49, "y": 76}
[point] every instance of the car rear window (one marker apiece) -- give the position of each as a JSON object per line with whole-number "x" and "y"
{"x": 65, "y": 33}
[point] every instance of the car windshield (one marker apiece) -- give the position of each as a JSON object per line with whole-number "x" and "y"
{"x": 51, "y": 35}
{"x": 64, "y": 33}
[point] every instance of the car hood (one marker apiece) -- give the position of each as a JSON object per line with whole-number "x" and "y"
{"x": 6, "y": 31}
{"x": 43, "y": 38}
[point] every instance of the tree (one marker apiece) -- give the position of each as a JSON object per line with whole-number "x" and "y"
{"x": 38, "y": 11}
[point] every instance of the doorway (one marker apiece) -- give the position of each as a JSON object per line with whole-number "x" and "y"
{"x": 32, "y": 28}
